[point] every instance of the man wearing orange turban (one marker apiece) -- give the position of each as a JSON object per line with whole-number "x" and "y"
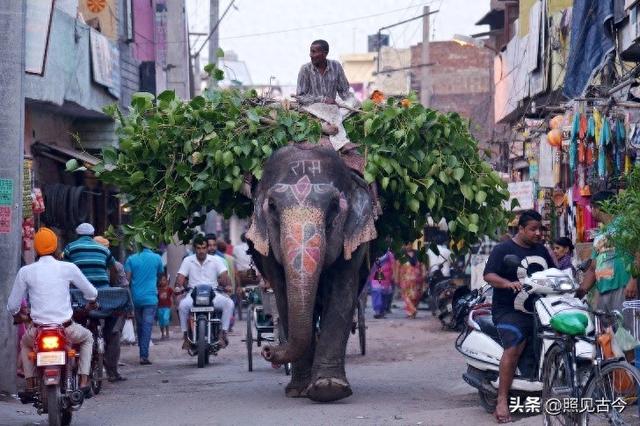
{"x": 46, "y": 282}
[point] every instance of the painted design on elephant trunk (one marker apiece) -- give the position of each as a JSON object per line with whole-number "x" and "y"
{"x": 303, "y": 246}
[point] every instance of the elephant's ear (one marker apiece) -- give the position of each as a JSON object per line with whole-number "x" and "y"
{"x": 359, "y": 227}
{"x": 258, "y": 232}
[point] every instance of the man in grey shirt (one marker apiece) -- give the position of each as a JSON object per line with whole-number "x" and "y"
{"x": 321, "y": 79}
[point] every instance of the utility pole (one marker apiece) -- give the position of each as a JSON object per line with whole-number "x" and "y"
{"x": 214, "y": 11}
{"x": 12, "y": 22}
{"x": 425, "y": 83}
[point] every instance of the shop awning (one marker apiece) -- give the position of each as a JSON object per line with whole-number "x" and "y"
{"x": 63, "y": 154}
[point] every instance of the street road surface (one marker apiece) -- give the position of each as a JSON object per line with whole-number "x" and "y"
{"x": 411, "y": 375}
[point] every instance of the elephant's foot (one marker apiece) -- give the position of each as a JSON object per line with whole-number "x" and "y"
{"x": 296, "y": 391}
{"x": 297, "y": 387}
{"x": 327, "y": 389}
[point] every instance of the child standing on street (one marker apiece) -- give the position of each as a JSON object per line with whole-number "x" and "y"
{"x": 165, "y": 295}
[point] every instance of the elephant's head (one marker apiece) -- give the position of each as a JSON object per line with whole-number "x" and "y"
{"x": 309, "y": 209}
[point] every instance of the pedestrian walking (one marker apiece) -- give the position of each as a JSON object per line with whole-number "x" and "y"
{"x": 165, "y": 302}
{"x": 410, "y": 274}
{"x": 144, "y": 270}
{"x": 381, "y": 281}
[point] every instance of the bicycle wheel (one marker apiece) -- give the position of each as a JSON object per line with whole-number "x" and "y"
{"x": 249, "y": 337}
{"x": 557, "y": 376}
{"x": 614, "y": 393}
{"x": 97, "y": 372}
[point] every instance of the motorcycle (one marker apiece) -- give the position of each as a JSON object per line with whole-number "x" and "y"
{"x": 446, "y": 291}
{"x": 113, "y": 301}
{"x": 205, "y": 325}
{"x": 58, "y": 392}
{"x": 92, "y": 320}
{"x": 480, "y": 345}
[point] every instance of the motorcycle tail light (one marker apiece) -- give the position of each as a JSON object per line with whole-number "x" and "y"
{"x": 51, "y": 342}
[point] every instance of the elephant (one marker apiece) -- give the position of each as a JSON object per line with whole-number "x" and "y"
{"x": 312, "y": 222}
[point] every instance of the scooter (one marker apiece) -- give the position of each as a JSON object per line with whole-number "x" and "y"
{"x": 480, "y": 345}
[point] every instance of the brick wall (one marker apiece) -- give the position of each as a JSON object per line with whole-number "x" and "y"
{"x": 461, "y": 82}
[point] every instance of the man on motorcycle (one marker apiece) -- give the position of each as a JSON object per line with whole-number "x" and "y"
{"x": 46, "y": 282}
{"x": 203, "y": 269}
{"x": 514, "y": 327}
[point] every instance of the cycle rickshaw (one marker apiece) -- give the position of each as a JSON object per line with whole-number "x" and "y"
{"x": 261, "y": 326}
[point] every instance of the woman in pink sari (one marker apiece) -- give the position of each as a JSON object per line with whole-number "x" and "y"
{"x": 410, "y": 274}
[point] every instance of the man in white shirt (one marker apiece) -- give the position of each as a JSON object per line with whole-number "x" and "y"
{"x": 46, "y": 283}
{"x": 202, "y": 268}
{"x": 242, "y": 258}
{"x": 440, "y": 261}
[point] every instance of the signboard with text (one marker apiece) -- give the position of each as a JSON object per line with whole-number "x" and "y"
{"x": 524, "y": 192}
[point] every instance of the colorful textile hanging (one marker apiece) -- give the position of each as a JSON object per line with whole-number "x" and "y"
{"x": 603, "y": 141}
{"x": 573, "y": 144}
{"x": 619, "y": 146}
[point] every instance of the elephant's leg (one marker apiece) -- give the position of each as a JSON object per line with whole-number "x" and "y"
{"x": 301, "y": 369}
{"x": 329, "y": 380}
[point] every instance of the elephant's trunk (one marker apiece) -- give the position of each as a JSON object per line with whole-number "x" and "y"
{"x": 303, "y": 245}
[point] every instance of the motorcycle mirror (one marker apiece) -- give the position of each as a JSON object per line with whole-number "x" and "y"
{"x": 511, "y": 261}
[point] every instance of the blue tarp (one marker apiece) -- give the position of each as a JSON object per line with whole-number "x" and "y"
{"x": 111, "y": 300}
{"x": 592, "y": 41}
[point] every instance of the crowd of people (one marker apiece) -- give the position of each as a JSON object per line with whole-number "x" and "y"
{"x": 40, "y": 294}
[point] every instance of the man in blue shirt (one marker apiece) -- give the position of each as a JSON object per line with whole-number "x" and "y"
{"x": 144, "y": 270}
{"x": 94, "y": 260}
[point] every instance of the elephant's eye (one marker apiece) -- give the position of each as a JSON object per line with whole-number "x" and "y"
{"x": 273, "y": 210}
{"x": 332, "y": 211}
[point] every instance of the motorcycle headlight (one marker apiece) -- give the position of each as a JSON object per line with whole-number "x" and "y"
{"x": 557, "y": 283}
{"x": 544, "y": 282}
{"x": 202, "y": 299}
{"x": 565, "y": 284}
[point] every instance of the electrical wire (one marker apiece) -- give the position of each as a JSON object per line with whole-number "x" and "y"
{"x": 266, "y": 33}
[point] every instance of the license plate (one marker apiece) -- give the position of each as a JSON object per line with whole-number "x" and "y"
{"x": 50, "y": 358}
{"x": 202, "y": 309}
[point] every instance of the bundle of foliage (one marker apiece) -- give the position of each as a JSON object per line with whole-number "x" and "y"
{"x": 625, "y": 207}
{"x": 176, "y": 159}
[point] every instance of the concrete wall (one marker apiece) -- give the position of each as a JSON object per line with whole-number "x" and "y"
{"x": 359, "y": 67}
{"x": 395, "y": 82}
{"x": 462, "y": 82}
{"x": 177, "y": 68}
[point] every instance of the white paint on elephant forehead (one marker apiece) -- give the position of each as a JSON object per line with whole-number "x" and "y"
{"x": 303, "y": 188}
{"x": 303, "y": 167}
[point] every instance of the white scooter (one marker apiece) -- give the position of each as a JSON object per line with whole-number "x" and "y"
{"x": 480, "y": 345}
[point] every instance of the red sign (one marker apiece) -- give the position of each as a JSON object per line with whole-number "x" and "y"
{"x": 5, "y": 219}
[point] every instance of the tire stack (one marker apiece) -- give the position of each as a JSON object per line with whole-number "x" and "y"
{"x": 66, "y": 206}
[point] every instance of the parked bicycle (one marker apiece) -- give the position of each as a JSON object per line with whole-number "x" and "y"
{"x": 613, "y": 384}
